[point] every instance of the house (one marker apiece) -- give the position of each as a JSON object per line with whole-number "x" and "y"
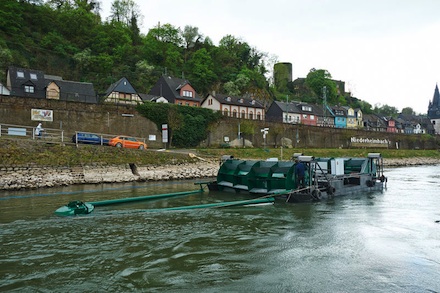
{"x": 176, "y": 91}
{"x": 351, "y": 117}
{"x": 35, "y": 84}
{"x": 359, "y": 118}
{"x": 70, "y": 91}
{"x": 122, "y": 92}
{"x": 434, "y": 110}
{"x": 374, "y": 122}
{"x": 326, "y": 117}
{"x": 309, "y": 113}
{"x": 4, "y": 90}
{"x": 237, "y": 107}
{"x": 283, "y": 112}
{"x": 413, "y": 124}
{"x": 340, "y": 116}
{"x": 390, "y": 123}
{"x": 153, "y": 98}
{"x": 26, "y": 82}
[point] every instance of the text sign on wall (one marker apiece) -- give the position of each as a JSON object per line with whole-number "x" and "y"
{"x": 41, "y": 115}
{"x": 164, "y": 133}
{"x": 369, "y": 142}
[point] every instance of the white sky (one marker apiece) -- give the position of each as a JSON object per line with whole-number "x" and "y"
{"x": 387, "y": 51}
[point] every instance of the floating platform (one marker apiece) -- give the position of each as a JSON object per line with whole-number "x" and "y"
{"x": 323, "y": 178}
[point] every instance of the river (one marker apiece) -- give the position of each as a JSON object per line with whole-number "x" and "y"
{"x": 374, "y": 242}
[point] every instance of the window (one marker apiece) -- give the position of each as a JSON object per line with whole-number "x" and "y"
{"x": 20, "y": 74}
{"x": 225, "y": 112}
{"x": 188, "y": 94}
{"x": 258, "y": 116}
{"x": 29, "y": 89}
{"x": 243, "y": 114}
{"x": 307, "y": 108}
{"x": 34, "y": 76}
{"x": 312, "y": 117}
{"x": 210, "y": 102}
{"x": 304, "y": 116}
{"x": 251, "y": 115}
{"x": 234, "y": 113}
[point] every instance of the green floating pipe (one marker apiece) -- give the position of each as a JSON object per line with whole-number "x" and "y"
{"x": 142, "y": 198}
{"x": 216, "y": 205}
{"x": 77, "y": 207}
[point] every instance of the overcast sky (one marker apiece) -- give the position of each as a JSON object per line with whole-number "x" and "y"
{"x": 387, "y": 51}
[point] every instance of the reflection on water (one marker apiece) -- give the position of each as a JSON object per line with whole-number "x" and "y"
{"x": 365, "y": 243}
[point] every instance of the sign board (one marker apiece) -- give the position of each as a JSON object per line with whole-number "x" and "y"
{"x": 164, "y": 133}
{"x": 41, "y": 115}
{"x": 17, "y": 131}
{"x": 152, "y": 137}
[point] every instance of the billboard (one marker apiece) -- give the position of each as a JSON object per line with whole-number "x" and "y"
{"x": 41, "y": 115}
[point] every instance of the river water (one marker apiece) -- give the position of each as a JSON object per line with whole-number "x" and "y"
{"x": 374, "y": 242}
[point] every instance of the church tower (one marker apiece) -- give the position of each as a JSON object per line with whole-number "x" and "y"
{"x": 434, "y": 110}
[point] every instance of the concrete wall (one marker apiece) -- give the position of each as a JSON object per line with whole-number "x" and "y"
{"x": 110, "y": 119}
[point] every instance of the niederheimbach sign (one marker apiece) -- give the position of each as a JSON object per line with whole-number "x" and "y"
{"x": 369, "y": 142}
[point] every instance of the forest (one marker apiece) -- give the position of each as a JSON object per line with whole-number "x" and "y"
{"x": 69, "y": 38}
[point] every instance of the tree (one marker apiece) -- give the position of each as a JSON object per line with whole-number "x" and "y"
{"x": 125, "y": 11}
{"x": 191, "y": 37}
{"x": 316, "y": 80}
{"x": 202, "y": 70}
{"x": 247, "y": 129}
{"x": 386, "y": 110}
{"x": 175, "y": 122}
{"x": 408, "y": 111}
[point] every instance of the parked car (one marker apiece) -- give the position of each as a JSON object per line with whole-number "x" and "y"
{"x": 127, "y": 142}
{"x": 89, "y": 138}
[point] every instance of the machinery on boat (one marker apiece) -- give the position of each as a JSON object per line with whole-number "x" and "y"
{"x": 323, "y": 177}
{"x": 75, "y": 207}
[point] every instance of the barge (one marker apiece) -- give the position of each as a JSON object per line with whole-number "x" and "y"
{"x": 322, "y": 178}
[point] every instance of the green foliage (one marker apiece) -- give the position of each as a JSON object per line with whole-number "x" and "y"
{"x": 408, "y": 111}
{"x": 69, "y": 39}
{"x": 317, "y": 80}
{"x": 188, "y": 126}
{"x": 386, "y": 110}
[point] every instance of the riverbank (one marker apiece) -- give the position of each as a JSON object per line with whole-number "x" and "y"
{"x": 32, "y": 177}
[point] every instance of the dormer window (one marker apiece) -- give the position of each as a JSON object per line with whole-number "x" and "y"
{"x": 188, "y": 94}
{"x": 228, "y": 99}
{"x": 20, "y": 74}
{"x": 253, "y": 102}
{"x": 307, "y": 108}
{"x": 240, "y": 101}
{"x": 29, "y": 89}
{"x": 34, "y": 76}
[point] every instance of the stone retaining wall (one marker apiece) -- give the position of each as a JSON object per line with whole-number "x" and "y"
{"x": 14, "y": 178}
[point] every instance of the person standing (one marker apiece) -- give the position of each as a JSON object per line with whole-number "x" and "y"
{"x": 39, "y": 130}
{"x": 300, "y": 171}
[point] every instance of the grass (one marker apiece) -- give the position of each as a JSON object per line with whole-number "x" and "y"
{"x": 285, "y": 154}
{"x": 25, "y": 152}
